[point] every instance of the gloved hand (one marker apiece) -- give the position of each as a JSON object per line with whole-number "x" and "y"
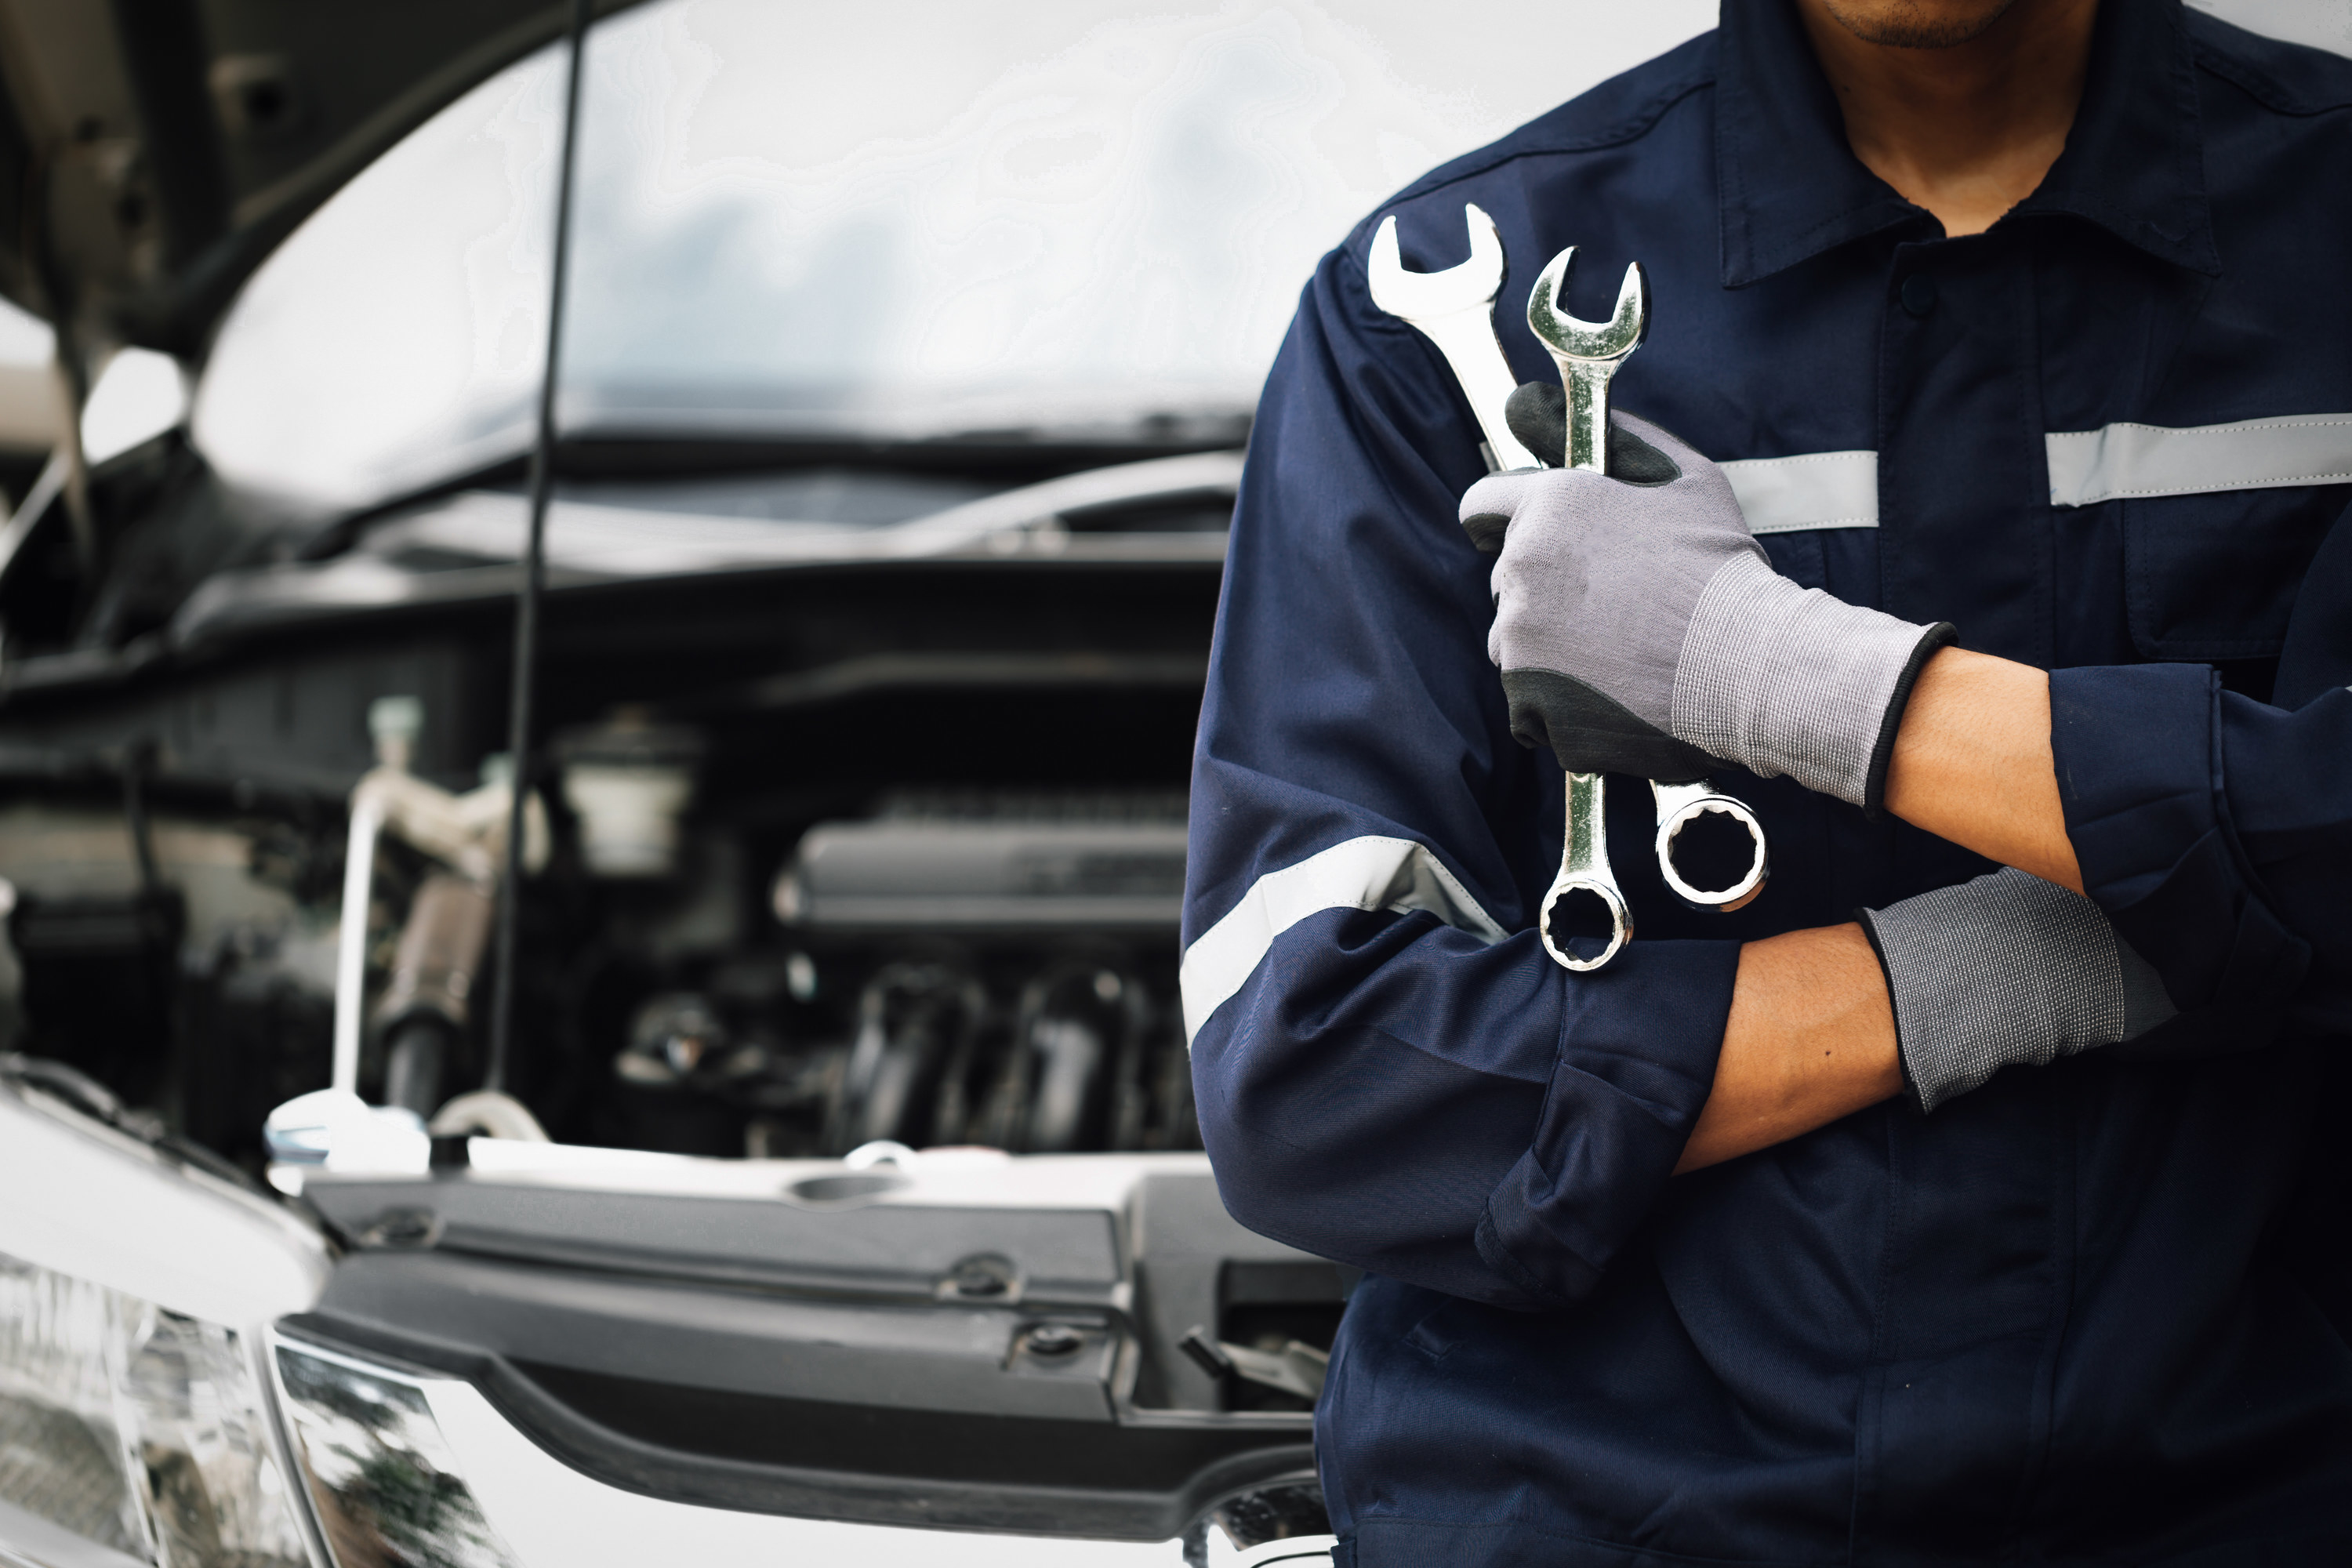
{"x": 1639, "y": 629}
{"x": 2005, "y": 971}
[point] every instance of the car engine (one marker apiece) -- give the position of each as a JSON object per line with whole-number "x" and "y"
{"x": 841, "y": 848}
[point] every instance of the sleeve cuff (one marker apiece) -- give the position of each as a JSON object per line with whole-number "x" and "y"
{"x": 1912, "y": 1096}
{"x": 2132, "y": 746}
{"x": 1941, "y": 636}
{"x": 2139, "y": 778}
{"x": 1636, "y": 1063}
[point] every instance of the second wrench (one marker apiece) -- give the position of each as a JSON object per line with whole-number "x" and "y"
{"x": 1588, "y": 355}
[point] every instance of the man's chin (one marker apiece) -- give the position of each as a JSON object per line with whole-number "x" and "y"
{"x": 1917, "y": 24}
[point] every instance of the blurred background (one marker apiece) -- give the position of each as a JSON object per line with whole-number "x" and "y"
{"x": 897, "y": 218}
{"x": 907, "y": 379}
{"x": 891, "y": 218}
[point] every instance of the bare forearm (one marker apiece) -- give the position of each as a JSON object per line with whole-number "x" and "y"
{"x": 1812, "y": 1033}
{"x": 1811, "y": 1039}
{"x": 1972, "y": 764}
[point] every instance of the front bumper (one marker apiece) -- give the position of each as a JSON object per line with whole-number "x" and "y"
{"x": 205, "y": 1356}
{"x": 470, "y": 1491}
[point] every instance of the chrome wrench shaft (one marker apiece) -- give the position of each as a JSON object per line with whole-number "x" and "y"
{"x": 1588, "y": 355}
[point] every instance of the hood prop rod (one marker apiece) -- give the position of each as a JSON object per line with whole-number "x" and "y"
{"x": 534, "y": 568}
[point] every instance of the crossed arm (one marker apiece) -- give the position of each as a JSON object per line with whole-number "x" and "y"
{"x": 1812, "y": 1033}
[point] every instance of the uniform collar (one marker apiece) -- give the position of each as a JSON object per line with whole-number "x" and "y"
{"x": 1792, "y": 188}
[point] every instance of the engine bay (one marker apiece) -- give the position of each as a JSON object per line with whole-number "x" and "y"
{"x": 959, "y": 967}
{"x": 838, "y": 851}
{"x": 846, "y": 1039}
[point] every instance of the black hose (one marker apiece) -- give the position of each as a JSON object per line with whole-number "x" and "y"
{"x": 134, "y": 815}
{"x": 413, "y": 1058}
{"x": 534, "y": 565}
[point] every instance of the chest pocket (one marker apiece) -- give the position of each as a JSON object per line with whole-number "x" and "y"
{"x": 2214, "y": 577}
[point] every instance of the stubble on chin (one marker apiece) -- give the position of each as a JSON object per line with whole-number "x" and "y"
{"x": 1915, "y": 23}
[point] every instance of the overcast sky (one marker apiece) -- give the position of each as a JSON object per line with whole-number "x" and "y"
{"x": 906, "y": 210}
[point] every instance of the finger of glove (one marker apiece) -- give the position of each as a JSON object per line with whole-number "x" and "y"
{"x": 1698, "y": 473}
{"x": 1536, "y": 413}
{"x": 1489, "y": 507}
{"x": 1591, "y": 732}
{"x": 1507, "y": 494}
{"x": 1564, "y": 496}
{"x": 1486, "y": 529}
{"x": 1684, "y": 456}
{"x": 1575, "y": 496}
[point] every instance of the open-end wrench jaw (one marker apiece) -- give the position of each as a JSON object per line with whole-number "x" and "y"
{"x": 1418, "y": 296}
{"x": 1567, "y": 336}
{"x": 1588, "y": 353}
{"x": 1454, "y": 309}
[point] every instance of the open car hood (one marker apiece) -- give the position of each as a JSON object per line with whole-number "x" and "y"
{"x": 153, "y": 151}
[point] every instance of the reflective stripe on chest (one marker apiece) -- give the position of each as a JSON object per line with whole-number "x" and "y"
{"x": 1839, "y": 489}
{"x": 1818, "y": 490}
{"x": 2124, "y": 460}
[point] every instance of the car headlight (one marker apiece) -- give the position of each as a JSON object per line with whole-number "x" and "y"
{"x": 387, "y": 1488}
{"x": 136, "y": 1428}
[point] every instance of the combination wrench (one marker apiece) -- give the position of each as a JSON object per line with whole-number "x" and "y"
{"x": 1454, "y": 309}
{"x": 1588, "y": 355}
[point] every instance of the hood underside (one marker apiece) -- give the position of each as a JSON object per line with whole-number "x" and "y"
{"x": 153, "y": 153}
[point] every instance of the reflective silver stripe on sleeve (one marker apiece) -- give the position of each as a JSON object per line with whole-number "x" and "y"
{"x": 1370, "y": 873}
{"x": 2087, "y": 467}
{"x": 1818, "y": 490}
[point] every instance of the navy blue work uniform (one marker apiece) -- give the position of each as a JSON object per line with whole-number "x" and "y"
{"x": 2091, "y": 1312}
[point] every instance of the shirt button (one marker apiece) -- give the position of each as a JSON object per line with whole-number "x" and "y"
{"x": 1918, "y": 293}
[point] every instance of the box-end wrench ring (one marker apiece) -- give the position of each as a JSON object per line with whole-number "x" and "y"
{"x": 1584, "y": 860}
{"x": 1584, "y": 868}
{"x": 1681, "y": 804}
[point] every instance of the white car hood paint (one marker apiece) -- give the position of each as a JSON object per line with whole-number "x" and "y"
{"x": 87, "y": 1201}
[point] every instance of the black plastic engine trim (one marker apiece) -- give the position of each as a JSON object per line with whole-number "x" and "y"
{"x": 752, "y": 1454}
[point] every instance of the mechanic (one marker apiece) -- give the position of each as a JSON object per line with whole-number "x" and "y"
{"x": 1993, "y": 1221}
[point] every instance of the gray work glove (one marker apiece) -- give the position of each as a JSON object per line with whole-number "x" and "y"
{"x": 2005, "y": 971}
{"x": 1639, "y": 629}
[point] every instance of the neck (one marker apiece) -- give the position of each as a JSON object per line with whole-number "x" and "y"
{"x": 1965, "y": 132}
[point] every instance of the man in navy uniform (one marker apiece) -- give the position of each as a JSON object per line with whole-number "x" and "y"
{"x": 1980, "y": 1190}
